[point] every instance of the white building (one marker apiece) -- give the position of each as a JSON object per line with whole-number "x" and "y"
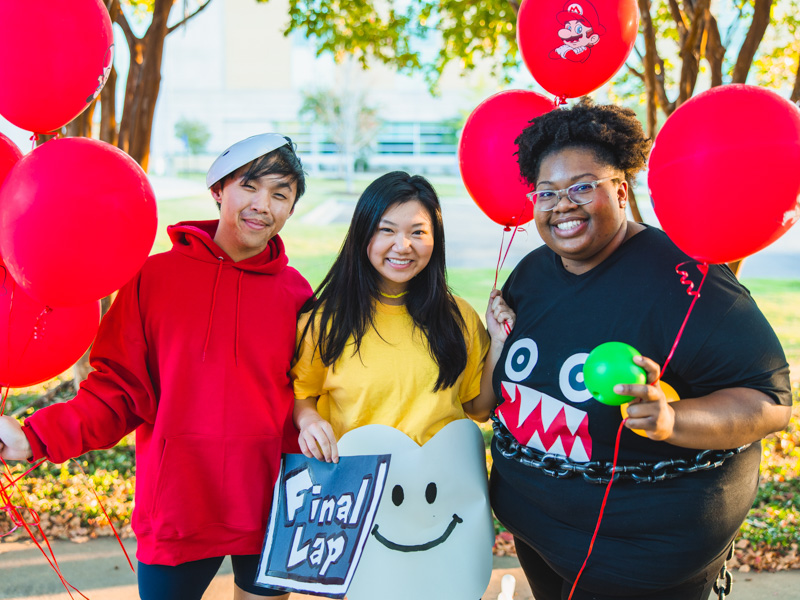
{"x": 232, "y": 68}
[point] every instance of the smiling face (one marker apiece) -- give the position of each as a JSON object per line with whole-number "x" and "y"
{"x": 402, "y": 245}
{"x": 252, "y": 213}
{"x": 433, "y": 530}
{"x": 584, "y": 236}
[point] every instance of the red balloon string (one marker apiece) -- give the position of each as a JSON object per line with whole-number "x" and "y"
{"x": 18, "y": 477}
{"x": 100, "y": 503}
{"x": 19, "y": 520}
{"x": 602, "y": 508}
{"x": 684, "y": 275}
{"x": 501, "y": 259}
{"x": 34, "y": 138}
{"x": 3, "y": 404}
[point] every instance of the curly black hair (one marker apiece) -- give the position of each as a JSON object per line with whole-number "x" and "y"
{"x": 612, "y": 132}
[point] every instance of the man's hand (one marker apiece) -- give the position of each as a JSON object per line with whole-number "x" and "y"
{"x": 13, "y": 443}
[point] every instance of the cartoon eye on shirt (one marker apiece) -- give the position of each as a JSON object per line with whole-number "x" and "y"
{"x": 433, "y": 529}
{"x": 539, "y": 420}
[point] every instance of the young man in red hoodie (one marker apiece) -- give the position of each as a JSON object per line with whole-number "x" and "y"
{"x": 194, "y": 356}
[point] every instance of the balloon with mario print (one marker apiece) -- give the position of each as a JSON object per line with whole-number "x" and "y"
{"x": 77, "y": 221}
{"x": 57, "y": 56}
{"x": 487, "y": 154}
{"x": 572, "y": 47}
{"x": 9, "y": 155}
{"x": 610, "y": 364}
{"x": 723, "y": 172}
{"x": 37, "y": 343}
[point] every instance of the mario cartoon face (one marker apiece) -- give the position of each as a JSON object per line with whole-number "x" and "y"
{"x": 433, "y": 532}
{"x": 580, "y": 30}
{"x": 539, "y": 420}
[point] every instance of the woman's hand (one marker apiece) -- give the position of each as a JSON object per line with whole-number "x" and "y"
{"x": 649, "y": 410}
{"x": 726, "y": 418}
{"x": 499, "y": 317}
{"x": 316, "y": 434}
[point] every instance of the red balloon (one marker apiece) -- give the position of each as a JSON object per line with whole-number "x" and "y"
{"x": 77, "y": 220}
{"x": 487, "y": 154}
{"x": 572, "y": 47}
{"x": 56, "y": 58}
{"x": 38, "y": 343}
{"x": 723, "y": 173}
{"x": 9, "y": 155}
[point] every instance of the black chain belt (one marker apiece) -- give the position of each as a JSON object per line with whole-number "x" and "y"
{"x": 597, "y": 471}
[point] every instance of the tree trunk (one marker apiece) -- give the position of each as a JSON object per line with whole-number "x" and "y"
{"x": 108, "y": 113}
{"x": 637, "y": 216}
{"x": 649, "y": 64}
{"x": 143, "y": 85}
{"x": 81, "y": 126}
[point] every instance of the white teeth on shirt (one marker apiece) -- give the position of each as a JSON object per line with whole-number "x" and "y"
{"x": 567, "y": 225}
{"x": 397, "y": 261}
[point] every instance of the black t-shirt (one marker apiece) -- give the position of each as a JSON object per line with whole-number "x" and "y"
{"x": 634, "y": 296}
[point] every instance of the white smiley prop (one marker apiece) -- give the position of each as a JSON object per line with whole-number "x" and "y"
{"x": 433, "y": 533}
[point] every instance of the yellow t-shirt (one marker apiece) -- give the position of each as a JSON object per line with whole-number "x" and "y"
{"x": 391, "y": 381}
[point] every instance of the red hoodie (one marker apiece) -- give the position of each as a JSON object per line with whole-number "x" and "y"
{"x": 194, "y": 355}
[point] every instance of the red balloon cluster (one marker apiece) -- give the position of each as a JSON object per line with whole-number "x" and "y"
{"x": 723, "y": 173}
{"x": 572, "y": 47}
{"x": 77, "y": 216}
{"x": 77, "y": 220}
{"x": 56, "y": 58}
{"x": 487, "y": 154}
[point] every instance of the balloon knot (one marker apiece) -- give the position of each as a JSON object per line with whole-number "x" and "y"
{"x": 560, "y": 101}
{"x": 507, "y": 228}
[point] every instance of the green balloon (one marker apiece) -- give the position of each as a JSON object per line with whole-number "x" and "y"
{"x": 608, "y": 365}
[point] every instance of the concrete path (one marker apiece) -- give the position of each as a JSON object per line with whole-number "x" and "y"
{"x": 99, "y": 570}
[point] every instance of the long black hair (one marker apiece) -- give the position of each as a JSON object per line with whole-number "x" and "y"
{"x": 345, "y": 300}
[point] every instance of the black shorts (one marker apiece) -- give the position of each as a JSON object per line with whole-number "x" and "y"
{"x": 190, "y": 580}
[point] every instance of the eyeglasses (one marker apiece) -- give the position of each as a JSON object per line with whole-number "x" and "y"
{"x": 579, "y": 193}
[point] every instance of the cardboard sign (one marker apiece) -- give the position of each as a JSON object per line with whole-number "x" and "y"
{"x": 321, "y": 517}
{"x": 433, "y": 533}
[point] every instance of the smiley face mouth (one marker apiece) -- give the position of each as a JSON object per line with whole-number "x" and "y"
{"x": 418, "y": 547}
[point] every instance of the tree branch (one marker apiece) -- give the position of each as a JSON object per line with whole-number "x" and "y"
{"x": 186, "y": 19}
{"x": 677, "y": 15}
{"x": 715, "y": 50}
{"x": 634, "y": 72}
{"x": 752, "y": 40}
{"x": 119, "y": 18}
{"x": 796, "y": 90}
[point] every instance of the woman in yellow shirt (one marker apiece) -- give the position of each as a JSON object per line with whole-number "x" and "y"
{"x": 385, "y": 341}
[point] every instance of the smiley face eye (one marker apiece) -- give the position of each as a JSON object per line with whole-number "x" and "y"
{"x": 397, "y": 495}
{"x": 430, "y": 493}
{"x": 521, "y": 359}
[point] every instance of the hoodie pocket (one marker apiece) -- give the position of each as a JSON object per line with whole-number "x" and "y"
{"x": 251, "y": 467}
{"x": 204, "y": 481}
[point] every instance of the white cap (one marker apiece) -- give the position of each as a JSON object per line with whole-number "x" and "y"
{"x": 242, "y": 153}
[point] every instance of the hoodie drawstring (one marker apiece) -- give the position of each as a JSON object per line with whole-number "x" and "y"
{"x": 236, "y": 330}
{"x": 211, "y": 314}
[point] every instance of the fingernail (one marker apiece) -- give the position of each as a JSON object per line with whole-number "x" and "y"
{"x": 618, "y": 389}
